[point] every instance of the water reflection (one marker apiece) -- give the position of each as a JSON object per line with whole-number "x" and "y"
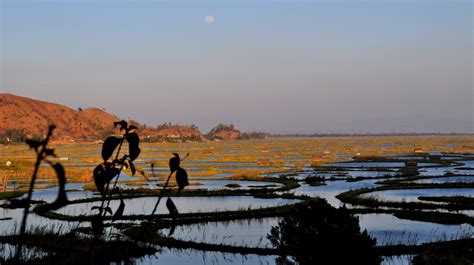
{"x": 333, "y": 188}
{"x": 389, "y": 230}
{"x": 453, "y": 179}
{"x": 249, "y": 233}
{"x": 234, "y": 184}
{"x": 397, "y": 260}
{"x": 411, "y": 195}
{"x": 144, "y": 205}
{"x": 369, "y": 164}
{"x": 197, "y": 257}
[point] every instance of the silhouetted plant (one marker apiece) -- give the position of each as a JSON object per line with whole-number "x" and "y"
{"x": 182, "y": 181}
{"x": 111, "y": 168}
{"x": 43, "y": 152}
{"x": 317, "y": 233}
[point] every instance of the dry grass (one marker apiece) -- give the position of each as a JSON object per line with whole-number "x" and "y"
{"x": 237, "y": 158}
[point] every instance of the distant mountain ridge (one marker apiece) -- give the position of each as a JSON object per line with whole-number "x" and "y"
{"x": 22, "y": 117}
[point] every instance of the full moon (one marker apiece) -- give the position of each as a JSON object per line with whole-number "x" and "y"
{"x": 209, "y": 20}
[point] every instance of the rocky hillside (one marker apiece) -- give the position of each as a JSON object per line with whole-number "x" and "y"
{"x": 31, "y": 117}
{"x": 22, "y": 117}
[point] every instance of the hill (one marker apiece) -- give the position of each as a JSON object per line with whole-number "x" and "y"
{"x": 21, "y": 117}
{"x": 172, "y": 132}
{"x": 224, "y": 132}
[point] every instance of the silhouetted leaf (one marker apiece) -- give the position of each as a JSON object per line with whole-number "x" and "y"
{"x": 120, "y": 210}
{"x": 173, "y": 212}
{"x": 61, "y": 174}
{"x": 132, "y": 127}
{"x": 33, "y": 143}
{"x": 97, "y": 225}
{"x": 133, "y": 169}
{"x": 123, "y": 124}
{"x": 133, "y": 139}
{"x": 134, "y": 153}
{"x": 174, "y": 162}
{"x": 109, "y": 146}
{"x": 181, "y": 178}
{"x": 103, "y": 174}
{"x": 108, "y": 210}
{"x": 61, "y": 200}
{"x": 133, "y": 145}
{"x": 49, "y": 152}
{"x": 171, "y": 207}
{"x": 172, "y": 229}
{"x": 102, "y": 209}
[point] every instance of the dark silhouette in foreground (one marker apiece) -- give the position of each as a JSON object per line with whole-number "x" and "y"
{"x": 43, "y": 153}
{"x": 106, "y": 175}
{"x": 112, "y": 167}
{"x": 317, "y": 233}
{"x": 459, "y": 252}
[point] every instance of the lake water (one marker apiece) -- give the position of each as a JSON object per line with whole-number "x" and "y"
{"x": 249, "y": 233}
{"x": 389, "y": 230}
{"x": 332, "y": 189}
{"x": 386, "y": 228}
{"x": 411, "y": 195}
{"x": 452, "y": 179}
{"x": 145, "y": 205}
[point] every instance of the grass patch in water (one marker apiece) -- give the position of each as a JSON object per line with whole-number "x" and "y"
{"x": 353, "y": 197}
{"x": 72, "y": 248}
{"x": 448, "y": 199}
{"x": 11, "y": 194}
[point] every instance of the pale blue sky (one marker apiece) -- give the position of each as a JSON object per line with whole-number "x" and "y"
{"x": 277, "y": 66}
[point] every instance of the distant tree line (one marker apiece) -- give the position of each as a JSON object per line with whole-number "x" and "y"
{"x": 253, "y": 135}
{"x": 169, "y": 124}
{"x": 363, "y": 134}
{"x": 19, "y": 135}
{"x": 161, "y": 139}
{"x": 12, "y": 136}
{"x": 242, "y": 135}
{"x": 221, "y": 127}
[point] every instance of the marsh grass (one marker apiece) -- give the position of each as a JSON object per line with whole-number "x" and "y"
{"x": 354, "y": 197}
{"x": 207, "y": 156}
{"x": 74, "y": 248}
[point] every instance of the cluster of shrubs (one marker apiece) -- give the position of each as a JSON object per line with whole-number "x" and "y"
{"x": 12, "y": 136}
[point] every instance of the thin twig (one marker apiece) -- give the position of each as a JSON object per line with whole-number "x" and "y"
{"x": 162, "y": 193}
{"x": 39, "y": 159}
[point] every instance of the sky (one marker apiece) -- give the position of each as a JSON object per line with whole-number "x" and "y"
{"x": 342, "y": 66}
